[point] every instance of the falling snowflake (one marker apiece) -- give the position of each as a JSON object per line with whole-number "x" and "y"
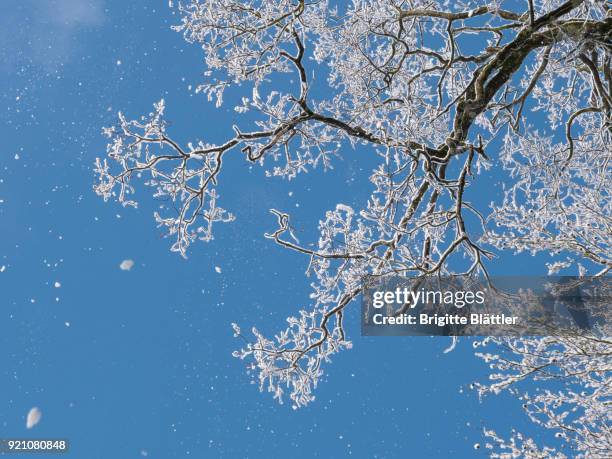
{"x": 33, "y": 418}
{"x": 126, "y": 265}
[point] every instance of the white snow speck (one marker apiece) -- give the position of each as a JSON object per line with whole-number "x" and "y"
{"x": 126, "y": 265}
{"x": 452, "y": 346}
{"x": 218, "y": 269}
{"x": 33, "y": 418}
{"x": 16, "y": 155}
{"x": 118, "y": 62}
{"x": 57, "y": 285}
{"x": 2, "y": 268}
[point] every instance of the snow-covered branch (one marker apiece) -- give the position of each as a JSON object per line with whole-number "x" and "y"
{"x": 429, "y": 88}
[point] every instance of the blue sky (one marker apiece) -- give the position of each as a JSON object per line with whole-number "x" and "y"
{"x": 138, "y": 364}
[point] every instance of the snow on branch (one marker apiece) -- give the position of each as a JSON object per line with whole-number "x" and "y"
{"x": 182, "y": 178}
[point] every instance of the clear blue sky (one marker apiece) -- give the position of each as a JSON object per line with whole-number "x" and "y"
{"x": 128, "y": 364}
